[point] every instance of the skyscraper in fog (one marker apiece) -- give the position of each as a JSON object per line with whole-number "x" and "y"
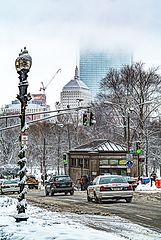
{"x": 94, "y": 66}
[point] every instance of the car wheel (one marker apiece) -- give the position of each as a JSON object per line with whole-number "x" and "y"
{"x": 71, "y": 192}
{"x": 47, "y": 193}
{"x": 97, "y": 200}
{"x": 129, "y": 199}
{"x": 89, "y": 199}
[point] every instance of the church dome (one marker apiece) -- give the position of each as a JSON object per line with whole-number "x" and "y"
{"x": 75, "y": 84}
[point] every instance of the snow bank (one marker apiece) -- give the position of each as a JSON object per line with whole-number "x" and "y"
{"x": 147, "y": 187}
{"x": 45, "y": 225}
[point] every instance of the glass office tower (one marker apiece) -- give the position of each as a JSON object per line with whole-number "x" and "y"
{"x": 94, "y": 66}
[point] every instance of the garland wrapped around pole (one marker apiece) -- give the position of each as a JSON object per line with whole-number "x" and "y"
{"x": 23, "y": 64}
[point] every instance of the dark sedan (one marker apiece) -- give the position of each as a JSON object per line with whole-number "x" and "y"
{"x": 59, "y": 184}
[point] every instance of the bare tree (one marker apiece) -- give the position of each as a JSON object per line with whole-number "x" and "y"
{"x": 135, "y": 95}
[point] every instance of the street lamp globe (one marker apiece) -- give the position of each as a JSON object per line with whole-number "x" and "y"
{"x": 23, "y": 61}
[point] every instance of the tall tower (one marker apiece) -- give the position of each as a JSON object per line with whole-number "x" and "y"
{"x": 94, "y": 66}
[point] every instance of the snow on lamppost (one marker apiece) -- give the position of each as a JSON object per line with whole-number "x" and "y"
{"x": 23, "y": 64}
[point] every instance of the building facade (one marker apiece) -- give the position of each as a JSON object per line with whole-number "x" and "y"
{"x": 36, "y": 105}
{"x": 99, "y": 157}
{"x": 75, "y": 93}
{"x": 94, "y": 66}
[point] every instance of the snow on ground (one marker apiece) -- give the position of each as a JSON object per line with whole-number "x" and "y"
{"x": 147, "y": 187}
{"x": 45, "y": 225}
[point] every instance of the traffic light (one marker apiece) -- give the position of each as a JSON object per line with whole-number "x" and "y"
{"x": 65, "y": 161}
{"x": 91, "y": 119}
{"x": 138, "y": 148}
{"x": 85, "y": 119}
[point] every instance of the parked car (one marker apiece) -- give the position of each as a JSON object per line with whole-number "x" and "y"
{"x": 1, "y": 181}
{"x": 106, "y": 187}
{"x": 10, "y": 186}
{"x": 59, "y": 184}
{"x": 132, "y": 181}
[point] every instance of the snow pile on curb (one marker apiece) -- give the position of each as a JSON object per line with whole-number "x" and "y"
{"x": 147, "y": 187}
{"x": 46, "y": 225}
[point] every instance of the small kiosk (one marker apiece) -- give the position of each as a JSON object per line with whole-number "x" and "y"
{"x": 99, "y": 157}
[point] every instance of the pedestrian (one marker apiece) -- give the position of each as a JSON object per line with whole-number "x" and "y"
{"x": 153, "y": 177}
{"x": 81, "y": 182}
{"x": 86, "y": 182}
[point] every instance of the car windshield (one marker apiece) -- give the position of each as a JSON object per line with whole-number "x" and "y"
{"x": 10, "y": 182}
{"x": 62, "y": 179}
{"x": 106, "y": 180}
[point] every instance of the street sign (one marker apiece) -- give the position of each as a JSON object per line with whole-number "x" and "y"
{"x": 128, "y": 170}
{"x": 24, "y": 138}
{"x": 132, "y": 151}
{"x": 129, "y": 157}
{"x": 129, "y": 164}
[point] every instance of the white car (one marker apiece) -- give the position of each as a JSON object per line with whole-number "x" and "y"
{"x": 10, "y": 186}
{"x": 106, "y": 187}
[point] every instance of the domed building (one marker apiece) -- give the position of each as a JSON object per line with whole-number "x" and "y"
{"x": 75, "y": 93}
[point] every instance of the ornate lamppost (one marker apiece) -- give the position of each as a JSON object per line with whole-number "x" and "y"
{"x": 23, "y": 64}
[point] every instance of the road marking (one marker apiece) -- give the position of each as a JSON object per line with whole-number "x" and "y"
{"x": 144, "y": 217}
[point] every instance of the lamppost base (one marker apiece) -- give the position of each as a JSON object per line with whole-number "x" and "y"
{"x": 21, "y": 217}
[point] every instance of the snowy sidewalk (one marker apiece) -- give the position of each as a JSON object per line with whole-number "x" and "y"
{"x": 45, "y": 225}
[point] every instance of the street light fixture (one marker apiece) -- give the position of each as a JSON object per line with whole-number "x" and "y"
{"x": 23, "y": 64}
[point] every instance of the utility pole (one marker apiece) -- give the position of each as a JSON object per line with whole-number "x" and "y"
{"x": 44, "y": 161}
{"x": 69, "y": 141}
{"x": 58, "y": 167}
{"x": 79, "y": 101}
{"x": 128, "y": 132}
{"x": 146, "y": 154}
{"x": 59, "y": 126}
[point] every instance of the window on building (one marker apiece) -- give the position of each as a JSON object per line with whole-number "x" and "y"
{"x": 80, "y": 163}
{"x": 86, "y": 163}
{"x": 74, "y": 162}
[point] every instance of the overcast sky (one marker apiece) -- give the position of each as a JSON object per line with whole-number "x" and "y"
{"x": 54, "y": 30}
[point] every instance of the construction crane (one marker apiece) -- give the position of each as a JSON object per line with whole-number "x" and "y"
{"x": 43, "y": 88}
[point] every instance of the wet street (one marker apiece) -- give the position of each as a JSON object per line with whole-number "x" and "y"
{"x": 144, "y": 210}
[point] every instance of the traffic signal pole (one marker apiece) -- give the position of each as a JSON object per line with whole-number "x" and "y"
{"x": 138, "y": 160}
{"x": 128, "y": 132}
{"x": 138, "y": 152}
